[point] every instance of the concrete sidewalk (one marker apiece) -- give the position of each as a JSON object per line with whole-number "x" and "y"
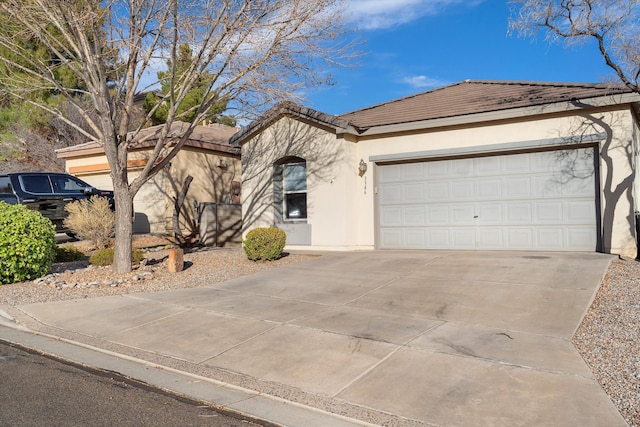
{"x": 385, "y": 337}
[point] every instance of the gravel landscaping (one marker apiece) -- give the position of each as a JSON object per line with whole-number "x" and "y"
{"x": 607, "y": 339}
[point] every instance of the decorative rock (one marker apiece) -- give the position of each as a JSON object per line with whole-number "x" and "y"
{"x": 176, "y": 260}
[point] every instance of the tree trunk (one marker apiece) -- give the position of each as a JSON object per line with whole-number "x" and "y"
{"x": 177, "y": 207}
{"x": 124, "y": 231}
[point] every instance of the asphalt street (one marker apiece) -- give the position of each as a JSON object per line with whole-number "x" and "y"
{"x": 40, "y": 390}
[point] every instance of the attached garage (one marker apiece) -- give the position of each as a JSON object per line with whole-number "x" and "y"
{"x": 539, "y": 201}
{"x": 476, "y": 165}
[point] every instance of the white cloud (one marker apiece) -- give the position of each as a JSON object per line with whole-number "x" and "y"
{"x": 422, "y": 82}
{"x": 380, "y": 14}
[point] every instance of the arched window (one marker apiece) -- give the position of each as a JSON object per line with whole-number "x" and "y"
{"x": 290, "y": 189}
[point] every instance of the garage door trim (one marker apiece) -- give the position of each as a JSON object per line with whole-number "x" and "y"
{"x": 595, "y": 195}
{"x": 492, "y": 150}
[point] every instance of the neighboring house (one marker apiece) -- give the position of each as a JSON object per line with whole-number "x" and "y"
{"x": 487, "y": 165}
{"x": 206, "y": 156}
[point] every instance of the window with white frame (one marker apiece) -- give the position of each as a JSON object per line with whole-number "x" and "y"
{"x": 290, "y": 189}
{"x": 295, "y": 190}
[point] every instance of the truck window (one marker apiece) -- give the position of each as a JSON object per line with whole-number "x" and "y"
{"x": 36, "y": 184}
{"x": 67, "y": 184}
{"x": 5, "y": 185}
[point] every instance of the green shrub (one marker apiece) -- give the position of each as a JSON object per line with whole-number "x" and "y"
{"x": 68, "y": 254}
{"x": 27, "y": 244}
{"x": 91, "y": 219}
{"x": 105, "y": 257}
{"x": 264, "y": 243}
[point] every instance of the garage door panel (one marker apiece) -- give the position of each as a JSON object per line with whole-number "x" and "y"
{"x": 579, "y": 212}
{"x": 391, "y": 193}
{"x": 414, "y": 216}
{"x": 437, "y": 215}
{"x": 391, "y": 216}
{"x": 391, "y": 173}
{"x": 579, "y": 186}
{"x": 462, "y": 190}
{"x": 518, "y": 213}
{"x": 414, "y": 238}
{"x": 517, "y": 188}
{"x": 489, "y": 189}
{"x": 435, "y": 170}
{"x": 547, "y": 186}
{"x": 488, "y": 166}
{"x": 462, "y": 214}
{"x": 491, "y": 238}
{"x": 549, "y": 239}
{"x": 413, "y": 171}
{"x": 414, "y": 192}
{"x": 392, "y": 238}
{"x": 488, "y": 214}
{"x": 517, "y": 163}
{"x": 519, "y": 238}
{"x": 580, "y": 237}
{"x": 461, "y": 168}
{"x": 550, "y": 212}
{"x": 438, "y": 238}
{"x": 521, "y": 201}
{"x": 463, "y": 238}
{"x": 437, "y": 192}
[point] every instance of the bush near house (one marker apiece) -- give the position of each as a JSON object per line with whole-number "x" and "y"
{"x": 27, "y": 244}
{"x": 91, "y": 219}
{"x": 68, "y": 254}
{"x": 105, "y": 257}
{"x": 264, "y": 244}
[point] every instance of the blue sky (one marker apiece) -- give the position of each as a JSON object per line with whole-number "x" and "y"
{"x": 416, "y": 45}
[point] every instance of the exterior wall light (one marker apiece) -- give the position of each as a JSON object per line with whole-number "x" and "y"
{"x": 362, "y": 168}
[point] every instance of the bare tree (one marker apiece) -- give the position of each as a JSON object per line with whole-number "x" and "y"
{"x": 613, "y": 24}
{"x": 254, "y": 53}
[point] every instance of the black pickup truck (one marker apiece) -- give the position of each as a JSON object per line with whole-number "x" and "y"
{"x": 47, "y": 193}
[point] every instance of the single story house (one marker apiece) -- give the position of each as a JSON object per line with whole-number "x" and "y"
{"x": 207, "y": 156}
{"x": 478, "y": 165}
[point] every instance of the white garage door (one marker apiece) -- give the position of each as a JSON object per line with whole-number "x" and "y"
{"x": 537, "y": 201}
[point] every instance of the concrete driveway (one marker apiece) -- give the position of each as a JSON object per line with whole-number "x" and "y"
{"x": 395, "y": 337}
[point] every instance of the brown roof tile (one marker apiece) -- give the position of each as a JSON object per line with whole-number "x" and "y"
{"x": 470, "y": 97}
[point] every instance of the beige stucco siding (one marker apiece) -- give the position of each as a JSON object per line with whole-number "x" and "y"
{"x": 153, "y": 203}
{"x": 342, "y": 205}
{"x": 212, "y": 176}
{"x": 615, "y": 163}
{"x": 331, "y": 180}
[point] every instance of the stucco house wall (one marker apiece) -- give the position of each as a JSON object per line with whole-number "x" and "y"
{"x": 342, "y": 206}
{"x": 331, "y": 179}
{"x": 214, "y": 167}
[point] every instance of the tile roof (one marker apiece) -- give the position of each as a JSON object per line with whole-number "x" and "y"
{"x": 470, "y": 97}
{"x": 213, "y": 137}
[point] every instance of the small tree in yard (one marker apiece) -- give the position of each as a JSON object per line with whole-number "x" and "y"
{"x": 613, "y": 24}
{"x": 247, "y": 53}
{"x": 91, "y": 219}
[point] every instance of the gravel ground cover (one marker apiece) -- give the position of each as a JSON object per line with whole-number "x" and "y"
{"x": 76, "y": 280}
{"x": 607, "y": 339}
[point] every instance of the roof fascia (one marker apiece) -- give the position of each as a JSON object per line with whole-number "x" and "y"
{"x": 314, "y": 119}
{"x": 558, "y": 107}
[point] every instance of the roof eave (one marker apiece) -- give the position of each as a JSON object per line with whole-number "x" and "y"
{"x": 295, "y": 111}
{"x": 558, "y": 107}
